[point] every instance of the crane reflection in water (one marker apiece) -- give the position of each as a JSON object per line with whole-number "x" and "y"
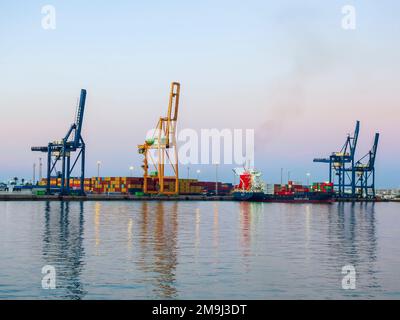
{"x": 158, "y": 247}
{"x": 63, "y": 246}
{"x": 352, "y": 230}
{"x": 154, "y": 249}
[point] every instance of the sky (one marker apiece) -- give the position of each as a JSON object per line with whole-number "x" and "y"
{"x": 286, "y": 69}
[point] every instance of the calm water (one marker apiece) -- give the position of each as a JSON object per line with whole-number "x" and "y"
{"x": 191, "y": 250}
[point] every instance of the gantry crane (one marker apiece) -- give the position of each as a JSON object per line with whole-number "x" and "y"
{"x": 62, "y": 150}
{"x": 160, "y": 150}
{"x": 365, "y": 172}
{"x": 351, "y": 178}
{"x": 341, "y": 166}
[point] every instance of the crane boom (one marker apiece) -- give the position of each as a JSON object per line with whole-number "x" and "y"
{"x": 79, "y": 117}
{"x": 374, "y": 151}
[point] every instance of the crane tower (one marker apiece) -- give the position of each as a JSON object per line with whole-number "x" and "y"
{"x": 62, "y": 151}
{"x": 160, "y": 151}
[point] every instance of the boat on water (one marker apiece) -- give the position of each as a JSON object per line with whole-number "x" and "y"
{"x": 252, "y": 188}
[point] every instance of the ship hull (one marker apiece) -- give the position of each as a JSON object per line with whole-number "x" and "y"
{"x": 248, "y": 196}
{"x": 300, "y": 198}
{"x": 311, "y": 197}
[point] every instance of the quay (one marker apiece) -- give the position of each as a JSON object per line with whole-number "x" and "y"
{"x": 111, "y": 197}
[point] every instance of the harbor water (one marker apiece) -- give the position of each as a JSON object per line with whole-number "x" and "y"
{"x": 199, "y": 250}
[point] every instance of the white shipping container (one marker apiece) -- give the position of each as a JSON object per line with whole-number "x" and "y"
{"x": 269, "y": 189}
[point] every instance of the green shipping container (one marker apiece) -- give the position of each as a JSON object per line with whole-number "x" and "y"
{"x": 39, "y": 192}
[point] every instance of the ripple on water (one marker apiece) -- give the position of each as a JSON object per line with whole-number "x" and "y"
{"x": 198, "y": 250}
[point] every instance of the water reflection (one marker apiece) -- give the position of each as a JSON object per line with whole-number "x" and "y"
{"x": 130, "y": 235}
{"x": 143, "y": 237}
{"x": 246, "y": 209}
{"x": 63, "y": 246}
{"x": 249, "y": 219}
{"x": 215, "y": 228}
{"x": 354, "y": 227}
{"x": 352, "y": 233}
{"x": 97, "y": 214}
{"x": 158, "y": 247}
{"x": 197, "y": 231}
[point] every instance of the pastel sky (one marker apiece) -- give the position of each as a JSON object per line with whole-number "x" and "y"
{"x": 286, "y": 69}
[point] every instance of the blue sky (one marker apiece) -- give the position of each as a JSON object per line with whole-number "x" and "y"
{"x": 283, "y": 68}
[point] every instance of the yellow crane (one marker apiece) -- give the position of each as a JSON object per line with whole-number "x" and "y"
{"x": 163, "y": 143}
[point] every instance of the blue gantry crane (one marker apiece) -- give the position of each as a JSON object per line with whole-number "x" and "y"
{"x": 62, "y": 151}
{"x": 350, "y": 178}
{"x": 341, "y": 166}
{"x": 365, "y": 172}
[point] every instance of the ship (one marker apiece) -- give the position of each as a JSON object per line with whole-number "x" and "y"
{"x": 252, "y": 188}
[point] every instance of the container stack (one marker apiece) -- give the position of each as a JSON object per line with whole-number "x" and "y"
{"x": 322, "y": 187}
{"x": 134, "y": 185}
{"x": 293, "y": 188}
{"x": 189, "y": 186}
{"x": 209, "y": 187}
{"x": 116, "y": 185}
{"x": 74, "y": 183}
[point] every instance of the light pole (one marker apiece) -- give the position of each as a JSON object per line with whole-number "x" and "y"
{"x": 131, "y": 168}
{"x": 40, "y": 169}
{"x": 98, "y": 175}
{"x": 216, "y": 179}
{"x": 308, "y": 178}
{"x": 34, "y": 173}
{"x": 188, "y": 170}
{"x": 281, "y": 176}
{"x": 198, "y": 174}
{"x": 98, "y": 169}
